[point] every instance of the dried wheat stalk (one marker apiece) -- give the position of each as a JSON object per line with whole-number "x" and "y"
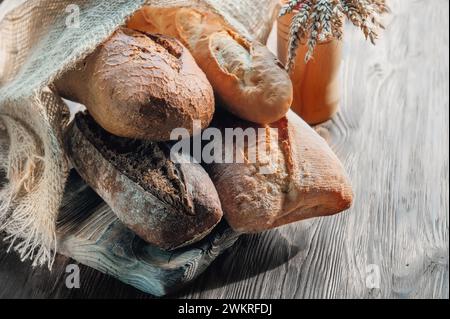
{"x": 317, "y": 20}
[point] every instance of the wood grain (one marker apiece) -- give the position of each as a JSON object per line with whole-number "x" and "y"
{"x": 392, "y": 134}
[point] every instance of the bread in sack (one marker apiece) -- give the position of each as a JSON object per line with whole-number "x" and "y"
{"x": 297, "y": 176}
{"x": 140, "y": 85}
{"x": 248, "y": 78}
{"x": 167, "y": 204}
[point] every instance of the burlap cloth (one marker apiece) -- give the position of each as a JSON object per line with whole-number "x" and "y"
{"x": 36, "y": 45}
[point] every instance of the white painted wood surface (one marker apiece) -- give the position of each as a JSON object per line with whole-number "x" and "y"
{"x": 392, "y": 135}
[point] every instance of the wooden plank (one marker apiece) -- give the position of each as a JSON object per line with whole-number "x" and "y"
{"x": 392, "y": 135}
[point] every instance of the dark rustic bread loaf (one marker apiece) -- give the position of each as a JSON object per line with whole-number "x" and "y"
{"x": 303, "y": 179}
{"x": 139, "y": 85}
{"x": 167, "y": 204}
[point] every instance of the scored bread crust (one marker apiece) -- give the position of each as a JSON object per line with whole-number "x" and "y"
{"x": 139, "y": 85}
{"x": 168, "y": 205}
{"x": 248, "y": 78}
{"x": 306, "y": 179}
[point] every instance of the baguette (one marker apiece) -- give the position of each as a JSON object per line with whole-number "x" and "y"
{"x": 305, "y": 178}
{"x": 248, "y": 78}
{"x": 166, "y": 204}
{"x": 139, "y": 85}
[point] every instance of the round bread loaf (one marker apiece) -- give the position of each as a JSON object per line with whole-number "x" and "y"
{"x": 139, "y": 85}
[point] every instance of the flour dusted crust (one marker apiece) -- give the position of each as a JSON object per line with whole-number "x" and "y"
{"x": 139, "y": 85}
{"x": 167, "y": 204}
{"x": 248, "y": 78}
{"x": 307, "y": 180}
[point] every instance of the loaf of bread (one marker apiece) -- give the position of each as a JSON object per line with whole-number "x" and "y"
{"x": 296, "y": 176}
{"x": 248, "y": 78}
{"x": 167, "y": 204}
{"x": 139, "y": 85}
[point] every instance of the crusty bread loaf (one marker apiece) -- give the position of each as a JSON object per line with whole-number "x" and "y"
{"x": 139, "y": 85}
{"x": 248, "y": 78}
{"x": 167, "y": 204}
{"x": 299, "y": 178}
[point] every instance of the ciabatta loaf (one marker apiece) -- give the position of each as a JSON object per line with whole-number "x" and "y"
{"x": 295, "y": 176}
{"x": 248, "y": 78}
{"x": 139, "y": 85}
{"x": 167, "y": 204}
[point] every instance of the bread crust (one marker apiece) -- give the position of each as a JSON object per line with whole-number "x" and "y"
{"x": 308, "y": 179}
{"x": 140, "y": 85}
{"x": 165, "y": 221}
{"x": 246, "y": 76}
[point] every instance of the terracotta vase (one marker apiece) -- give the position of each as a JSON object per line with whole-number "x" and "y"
{"x": 316, "y": 83}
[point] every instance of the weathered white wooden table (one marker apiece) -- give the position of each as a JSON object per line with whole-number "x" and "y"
{"x": 392, "y": 135}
